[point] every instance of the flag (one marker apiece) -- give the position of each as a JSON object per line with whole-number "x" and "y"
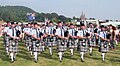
{"x": 31, "y": 16}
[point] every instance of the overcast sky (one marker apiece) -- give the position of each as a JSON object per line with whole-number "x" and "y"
{"x": 100, "y": 9}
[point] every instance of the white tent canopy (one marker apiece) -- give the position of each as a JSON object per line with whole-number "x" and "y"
{"x": 112, "y": 23}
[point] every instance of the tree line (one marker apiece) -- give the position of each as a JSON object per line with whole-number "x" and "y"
{"x": 18, "y": 13}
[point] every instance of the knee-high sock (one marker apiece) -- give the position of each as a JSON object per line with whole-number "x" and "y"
{"x": 31, "y": 52}
{"x": 50, "y": 50}
{"x": 43, "y": 47}
{"x": 82, "y": 55}
{"x": 15, "y": 55}
{"x": 60, "y": 55}
{"x": 103, "y": 56}
{"x": 116, "y": 42}
{"x": 90, "y": 49}
{"x": 35, "y": 55}
{"x": 11, "y": 56}
{"x": 71, "y": 51}
{"x": 28, "y": 48}
{"x": 7, "y": 50}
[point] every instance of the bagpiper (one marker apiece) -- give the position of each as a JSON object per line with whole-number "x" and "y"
{"x": 51, "y": 38}
{"x": 13, "y": 41}
{"x": 92, "y": 39}
{"x": 43, "y": 30}
{"x": 104, "y": 41}
{"x": 27, "y": 31}
{"x": 82, "y": 36}
{"x": 72, "y": 43}
{"x": 61, "y": 40}
{"x": 36, "y": 41}
{"x": 6, "y": 37}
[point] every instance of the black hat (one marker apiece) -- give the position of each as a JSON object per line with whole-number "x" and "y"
{"x": 8, "y": 22}
{"x": 16, "y": 22}
{"x": 12, "y": 23}
{"x": 82, "y": 24}
{"x": 32, "y": 23}
{"x": 35, "y": 23}
{"x": 43, "y": 25}
{"x": 71, "y": 24}
{"x": 29, "y": 23}
{"x": 59, "y": 22}
{"x": 102, "y": 26}
{"x": 90, "y": 23}
{"x": 50, "y": 22}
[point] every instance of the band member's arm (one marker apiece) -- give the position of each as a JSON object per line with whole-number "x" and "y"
{"x": 5, "y": 31}
{"x": 21, "y": 35}
{"x": 58, "y": 35}
{"x": 9, "y": 33}
{"x": 40, "y": 36}
{"x": 28, "y": 33}
{"x": 25, "y": 31}
{"x": 114, "y": 36}
{"x": 105, "y": 39}
{"x": 79, "y": 36}
{"x": 35, "y": 37}
{"x": 44, "y": 35}
{"x": 47, "y": 33}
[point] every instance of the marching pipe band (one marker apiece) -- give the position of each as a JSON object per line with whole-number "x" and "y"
{"x": 71, "y": 37}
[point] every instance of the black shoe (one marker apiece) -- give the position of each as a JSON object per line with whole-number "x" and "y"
{"x": 35, "y": 61}
{"x": 72, "y": 54}
{"x": 14, "y": 59}
{"x": 90, "y": 54}
{"x": 11, "y": 61}
{"x": 82, "y": 60}
{"x": 62, "y": 58}
{"x": 51, "y": 54}
{"x": 60, "y": 61}
{"x": 103, "y": 60}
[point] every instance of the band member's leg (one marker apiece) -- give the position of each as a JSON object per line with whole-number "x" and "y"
{"x": 82, "y": 56}
{"x": 103, "y": 56}
{"x": 12, "y": 57}
{"x": 60, "y": 56}
{"x": 72, "y": 51}
{"x": 90, "y": 51}
{"x": 36, "y": 56}
{"x": 50, "y": 50}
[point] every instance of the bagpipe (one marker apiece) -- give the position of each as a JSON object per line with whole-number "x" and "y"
{"x": 36, "y": 40}
{"x": 107, "y": 37}
{"x": 17, "y": 35}
{"x": 85, "y": 39}
{"x": 40, "y": 35}
{"x": 52, "y": 38}
{"x": 73, "y": 38}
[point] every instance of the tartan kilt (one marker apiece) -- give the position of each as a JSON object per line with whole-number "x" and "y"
{"x": 62, "y": 47}
{"x": 51, "y": 43}
{"x": 13, "y": 48}
{"x": 37, "y": 48}
{"x": 72, "y": 44}
{"x": 44, "y": 40}
{"x": 91, "y": 42}
{"x": 26, "y": 40}
{"x": 104, "y": 47}
{"x": 82, "y": 47}
{"x": 6, "y": 41}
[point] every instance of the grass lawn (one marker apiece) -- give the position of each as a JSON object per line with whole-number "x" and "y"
{"x": 24, "y": 58}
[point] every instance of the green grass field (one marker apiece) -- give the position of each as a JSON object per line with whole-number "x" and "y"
{"x": 24, "y": 58}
